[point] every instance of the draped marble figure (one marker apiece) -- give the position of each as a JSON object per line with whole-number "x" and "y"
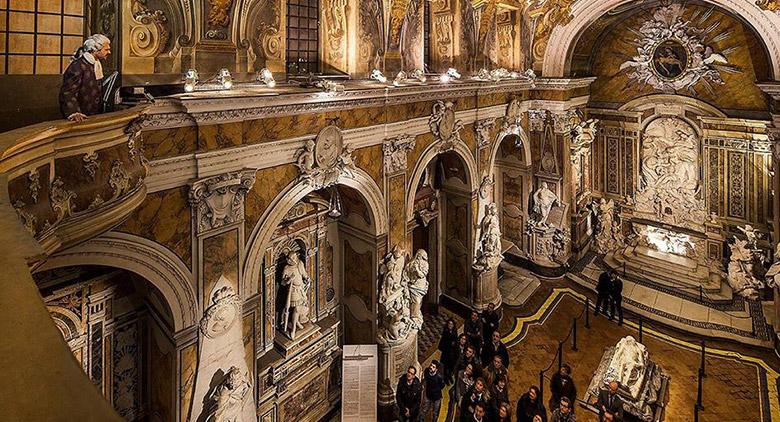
{"x": 544, "y": 199}
{"x": 489, "y": 248}
{"x": 628, "y": 365}
{"x": 295, "y": 276}
{"x": 417, "y": 281}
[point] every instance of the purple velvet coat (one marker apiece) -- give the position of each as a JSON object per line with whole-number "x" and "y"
{"x": 80, "y": 92}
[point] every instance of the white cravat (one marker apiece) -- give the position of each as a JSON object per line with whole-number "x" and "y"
{"x": 94, "y": 62}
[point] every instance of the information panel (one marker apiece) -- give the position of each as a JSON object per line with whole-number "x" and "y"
{"x": 359, "y": 383}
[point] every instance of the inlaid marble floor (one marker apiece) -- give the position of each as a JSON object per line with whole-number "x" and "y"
{"x": 735, "y": 388}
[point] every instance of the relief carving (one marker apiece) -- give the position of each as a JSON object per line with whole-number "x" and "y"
{"x": 489, "y": 254}
{"x": 325, "y": 159}
{"x": 218, "y": 201}
{"x": 400, "y": 297}
{"x": 483, "y": 129}
{"x": 372, "y": 29}
{"x": 61, "y": 199}
{"x": 118, "y": 179}
{"x": 335, "y": 23}
{"x": 224, "y": 311}
{"x": 443, "y": 33}
{"x": 547, "y": 16}
{"x": 219, "y": 13}
{"x": 91, "y": 164}
{"x": 536, "y": 119}
{"x": 444, "y": 126}
{"x": 394, "y": 151}
{"x": 35, "y": 184}
{"x": 28, "y": 219}
{"x": 148, "y": 32}
{"x": 771, "y": 5}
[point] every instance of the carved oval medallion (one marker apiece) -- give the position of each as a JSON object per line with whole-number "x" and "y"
{"x": 219, "y": 320}
{"x": 329, "y": 147}
{"x": 670, "y": 59}
{"x": 447, "y": 125}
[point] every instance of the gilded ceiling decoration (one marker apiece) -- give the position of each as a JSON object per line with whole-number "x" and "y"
{"x": 674, "y": 53}
{"x": 548, "y": 15}
{"x": 772, "y": 5}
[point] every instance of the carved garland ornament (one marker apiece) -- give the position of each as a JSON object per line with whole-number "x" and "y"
{"x": 218, "y": 201}
{"x": 222, "y": 314}
{"x": 444, "y": 126}
{"x": 673, "y": 54}
{"x": 61, "y": 199}
{"x": 118, "y": 179}
{"x": 91, "y": 164}
{"x": 325, "y": 159}
{"x": 482, "y": 129}
{"x": 394, "y": 151}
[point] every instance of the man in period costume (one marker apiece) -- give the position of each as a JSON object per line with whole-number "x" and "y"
{"x": 81, "y": 94}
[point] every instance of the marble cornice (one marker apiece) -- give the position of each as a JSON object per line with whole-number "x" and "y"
{"x": 255, "y": 103}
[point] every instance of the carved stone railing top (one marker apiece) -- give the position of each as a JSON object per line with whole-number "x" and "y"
{"x": 72, "y": 181}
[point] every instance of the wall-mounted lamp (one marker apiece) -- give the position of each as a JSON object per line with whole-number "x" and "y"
{"x": 267, "y": 77}
{"x": 377, "y": 75}
{"x": 419, "y": 75}
{"x": 190, "y": 80}
{"x": 399, "y": 78}
{"x": 224, "y": 78}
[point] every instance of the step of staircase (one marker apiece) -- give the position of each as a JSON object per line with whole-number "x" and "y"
{"x": 517, "y": 285}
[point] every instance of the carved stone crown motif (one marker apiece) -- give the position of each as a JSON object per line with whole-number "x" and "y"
{"x": 325, "y": 159}
{"x": 222, "y": 314}
{"x": 444, "y": 126}
{"x": 218, "y": 201}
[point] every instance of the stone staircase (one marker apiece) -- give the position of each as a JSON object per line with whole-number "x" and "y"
{"x": 516, "y": 285}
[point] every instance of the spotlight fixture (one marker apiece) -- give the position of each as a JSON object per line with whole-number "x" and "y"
{"x": 224, "y": 78}
{"x": 450, "y": 75}
{"x": 399, "y": 78}
{"x": 377, "y": 75}
{"x": 419, "y": 75}
{"x": 190, "y": 80}
{"x": 265, "y": 76}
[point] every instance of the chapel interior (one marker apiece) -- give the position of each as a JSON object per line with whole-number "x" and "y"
{"x": 280, "y": 205}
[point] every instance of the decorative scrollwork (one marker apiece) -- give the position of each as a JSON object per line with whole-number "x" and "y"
{"x": 148, "y": 34}
{"x": 118, "y": 179}
{"x": 444, "y": 126}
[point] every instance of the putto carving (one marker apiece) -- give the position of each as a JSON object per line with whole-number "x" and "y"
{"x": 218, "y": 201}
{"x": 740, "y": 270}
{"x": 444, "y": 126}
{"x": 400, "y": 296}
{"x": 219, "y": 13}
{"x": 324, "y": 160}
{"x": 35, "y": 184}
{"x": 222, "y": 314}
{"x": 230, "y": 395}
{"x": 486, "y": 184}
{"x": 148, "y": 34}
{"x": 483, "y": 129}
{"x": 674, "y": 54}
{"x": 91, "y": 164}
{"x": 489, "y": 254}
{"x": 118, "y": 179}
{"x": 582, "y": 136}
{"x": 394, "y": 151}
{"x": 61, "y": 199}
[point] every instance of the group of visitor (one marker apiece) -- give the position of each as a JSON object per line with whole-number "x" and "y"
{"x": 475, "y": 364}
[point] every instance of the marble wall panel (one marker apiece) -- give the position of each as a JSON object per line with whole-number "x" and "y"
{"x": 166, "y": 143}
{"x": 269, "y": 183}
{"x": 276, "y": 128}
{"x": 162, "y": 361}
{"x": 226, "y": 135}
{"x": 311, "y": 395}
{"x": 469, "y": 137}
{"x": 397, "y": 209}
{"x": 496, "y": 98}
{"x": 456, "y": 249}
{"x": 403, "y": 112}
{"x": 421, "y": 142}
{"x": 220, "y": 257}
{"x": 370, "y": 160}
{"x": 164, "y": 217}
{"x": 188, "y": 364}
{"x": 248, "y": 335}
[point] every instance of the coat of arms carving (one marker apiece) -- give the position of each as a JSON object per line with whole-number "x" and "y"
{"x": 323, "y": 160}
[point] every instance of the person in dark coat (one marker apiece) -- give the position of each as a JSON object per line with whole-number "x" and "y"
{"x": 473, "y": 328}
{"x": 407, "y": 396}
{"x": 495, "y": 348}
{"x": 564, "y": 412}
{"x": 602, "y": 292}
{"x": 81, "y": 93}
{"x": 609, "y": 403}
{"x": 448, "y": 345}
{"x": 470, "y": 357}
{"x": 477, "y": 394}
{"x": 530, "y": 405}
{"x": 504, "y": 413}
{"x": 433, "y": 384}
{"x": 562, "y": 385}
{"x": 616, "y": 298}
{"x": 499, "y": 394}
{"x": 490, "y": 320}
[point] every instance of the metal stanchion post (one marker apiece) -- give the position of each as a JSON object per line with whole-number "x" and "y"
{"x": 574, "y": 335}
{"x": 703, "y": 347}
{"x": 698, "y": 392}
{"x": 701, "y": 293}
{"x": 587, "y": 313}
{"x": 541, "y": 386}
{"x": 695, "y": 413}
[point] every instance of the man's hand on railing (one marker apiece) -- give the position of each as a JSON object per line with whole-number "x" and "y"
{"x": 77, "y": 117}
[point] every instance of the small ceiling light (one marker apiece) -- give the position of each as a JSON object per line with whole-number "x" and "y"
{"x": 267, "y": 77}
{"x": 225, "y": 79}
{"x": 419, "y": 75}
{"x": 336, "y": 208}
{"x": 399, "y": 78}
{"x": 190, "y": 80}
{"x": 377, "y": 75}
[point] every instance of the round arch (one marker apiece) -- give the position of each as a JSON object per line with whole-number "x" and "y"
{"x": 294, "y": 192}
{"x": 557, "y": 56}
{"x": 461, "y": 150}
{"x": 525, "y": 143}
{"x": 148, "y": 259}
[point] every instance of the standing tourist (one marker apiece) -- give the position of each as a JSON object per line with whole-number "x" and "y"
{"x": 448, "y": 346}
{"x": 407, "y": 396}
{"x": 530, "y": 405}
{"x": 477, "y": 395}
{"x": 562, "y": 385}
{"x": 473, "y": 328}
{"x": 464, "y": 381}
{"x": 564, "y": 412}
{"x": 616, "y": 298}
{"x": 610, "y": 405}
{"x": 602, "y": 292}
{"x": 490, "y": 321}
{"x": 495, "y": 348}
{"x": 433, "y": 384}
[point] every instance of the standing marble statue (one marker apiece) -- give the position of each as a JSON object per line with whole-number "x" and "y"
{"x": 417, "y": 282}
{"x": 544, "y": 199}
{"x": 393, "y": 298}
{"x": 229, "y": 396}
{"x": 740, "y": 275}
{"x": 609, "y": 236}
{"x": 295, "y": 276}
{"x": 489, "y": 248}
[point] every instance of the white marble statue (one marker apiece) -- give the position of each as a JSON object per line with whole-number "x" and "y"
{"x": 417, "y": 282}
{"x": 740, "y": 275}
{"x": 609, "y": 236}
{"x": 773, "y": 274}
{"x": 544, "y": 199}
{"x": 294, "y": 275}
{"x": 489, "y": 248}
{"x": 229, "y": 396}
{"x": 751, "y": 233}
{"x": 628, "y": 365}
{"x": 394, "y": 301}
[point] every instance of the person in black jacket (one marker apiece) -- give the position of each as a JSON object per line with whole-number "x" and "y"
{"x": 530, "y": 405}
{"x": 610, "y": 403}
{"x": 495, "y": 348}
{"x": 473, "y": 328}
{"x": 499, "y": 394}
{"x": 407, "y": 396}
{"x": 448, "y": 345}
{"x": 562, "y": 385}
{"x": 616, "y": 298}
{"x": 433, "y": 384}
{"x": 477, "y": 395}
{"x": 602, "y": 292}
{"x": 470, "y": 356}
{"x": 490, "y": 320}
